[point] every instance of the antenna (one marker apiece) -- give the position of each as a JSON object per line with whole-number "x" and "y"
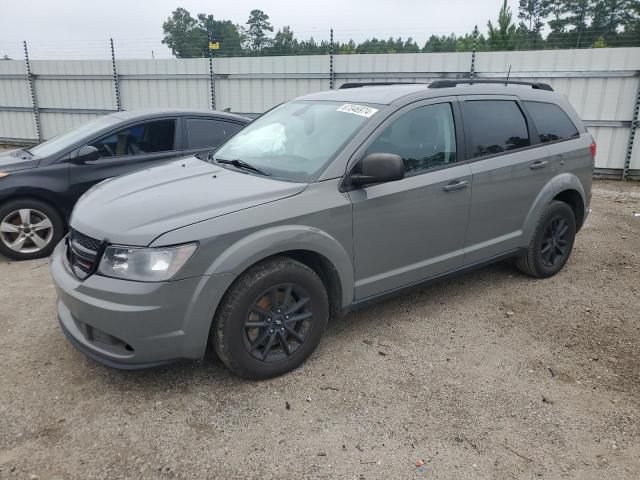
{"x": 508, "y": 75}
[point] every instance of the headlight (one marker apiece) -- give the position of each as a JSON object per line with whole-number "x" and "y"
{"x": 3, "y": 174}
{"x": 145, "y": 264}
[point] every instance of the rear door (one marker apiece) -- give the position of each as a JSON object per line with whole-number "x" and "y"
{"x": 412, "y": 229}
{"x": 127, "y": 149}
{"x": 201, "y": 134}
{"x": 509, "y": 170}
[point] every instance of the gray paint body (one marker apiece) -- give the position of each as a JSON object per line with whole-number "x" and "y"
{"x": 380, "y": 238}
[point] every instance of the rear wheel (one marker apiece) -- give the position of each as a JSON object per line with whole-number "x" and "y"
{"x": 271, "y": 320}
{"x": 29, "y": 229}
{"x": 552, "y": 242}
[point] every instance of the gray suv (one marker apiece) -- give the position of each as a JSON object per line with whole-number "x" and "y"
{"x": 321, "y": 205}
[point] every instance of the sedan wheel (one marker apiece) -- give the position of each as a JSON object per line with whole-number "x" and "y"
{"x": 29, "y": 229}
{"x": 26, "y": 231}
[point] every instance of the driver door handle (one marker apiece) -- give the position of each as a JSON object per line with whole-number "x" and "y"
{"x": 538, "y": 164}
{"x": 455, "y": 185}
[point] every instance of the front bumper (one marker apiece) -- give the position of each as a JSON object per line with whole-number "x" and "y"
{"x": 130, "y": 325}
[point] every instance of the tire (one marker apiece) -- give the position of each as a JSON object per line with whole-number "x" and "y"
{"x": 552, "y": 242}
{"x": 18, "y": 239}
{"x": 252, "y": 328}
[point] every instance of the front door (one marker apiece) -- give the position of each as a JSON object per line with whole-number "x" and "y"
{"x": 412, "y": 229}
{"x": 128, "y": 149}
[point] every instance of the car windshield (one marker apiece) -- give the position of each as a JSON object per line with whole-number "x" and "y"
{"x": 65, "y": 140}
{"x": 296, "y": 140}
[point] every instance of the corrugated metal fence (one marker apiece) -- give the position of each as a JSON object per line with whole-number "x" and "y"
{"x": 52, "y": 96}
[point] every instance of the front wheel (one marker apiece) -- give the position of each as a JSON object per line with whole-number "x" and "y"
{"x": 552, "y": 242}
{"x": 271, "y": 319}
{"x": 29, "y": 229}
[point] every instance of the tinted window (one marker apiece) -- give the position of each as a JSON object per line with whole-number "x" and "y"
{"x": 494, "y": 126}
{"x": 424, "y": 137}
{"x": 551, "y": 121}
{"x": 149, "y": 137}
{"x": 204, "y": 132}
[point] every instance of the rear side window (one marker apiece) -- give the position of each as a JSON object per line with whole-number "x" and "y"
{"x": 551, "y": 121}
{"x": 494, "y": 126}
{"x": 204, "y": 132}
{"x": 150, "y": 137}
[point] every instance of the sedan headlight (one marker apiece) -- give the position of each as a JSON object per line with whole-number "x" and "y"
{"x": 145, "y": 264}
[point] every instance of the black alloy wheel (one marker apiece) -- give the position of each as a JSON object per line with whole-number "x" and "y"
{"x": 278, "y": 323}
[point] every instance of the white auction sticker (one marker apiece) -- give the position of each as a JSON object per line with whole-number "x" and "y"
{"x": 361, "y": 110}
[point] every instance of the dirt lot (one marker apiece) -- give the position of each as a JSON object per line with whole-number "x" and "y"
{"x": 490, "y": 375}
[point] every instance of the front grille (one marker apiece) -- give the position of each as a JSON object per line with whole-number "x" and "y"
{"x": 83, "y": 253}
{"x": 85, "y": 241}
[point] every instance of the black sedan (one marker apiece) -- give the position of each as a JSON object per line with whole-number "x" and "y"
{"x": 40, "y": 185}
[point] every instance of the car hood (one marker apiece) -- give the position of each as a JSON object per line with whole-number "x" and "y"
{"x": 10, "y": 162}
{"x": 137, "y": 208}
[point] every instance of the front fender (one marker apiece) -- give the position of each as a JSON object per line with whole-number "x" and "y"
{"x": 274, "y": 240}
{"x": 559, "y": 183}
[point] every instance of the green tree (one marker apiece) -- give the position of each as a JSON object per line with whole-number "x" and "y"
{"x": 188, "y": 37}
{"x": 578, "y": 17}
{"x": 347, "y": 48}
{"x": 182, "y": 34}
{"x": 532, "y": 14}
{"x": 225, "y": 30}
{"x": 504, "y": 36}
{"x": 258, "y": 26}
{"x": 284, "y": 42}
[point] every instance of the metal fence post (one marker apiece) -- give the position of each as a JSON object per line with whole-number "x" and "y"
{"x": 116, "y": 83}
{"x": 632, "y": 135}
{"x": 32, "y": 90}
{"x": 212, "y": 78}
{"x": 472, "y": 72}
{"x": 331, "y": 80}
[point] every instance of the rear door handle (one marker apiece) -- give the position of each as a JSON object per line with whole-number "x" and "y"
{"x": 455, "y": 185}
{"x": 538, "y": 164}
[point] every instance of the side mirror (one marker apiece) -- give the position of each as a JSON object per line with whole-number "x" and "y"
{"x": 86, "y": 154}
{"x": 379, "y": 168}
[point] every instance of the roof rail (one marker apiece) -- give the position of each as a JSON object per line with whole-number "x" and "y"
{"x": 471, "y": 81}
{"x": 375, "y": 84}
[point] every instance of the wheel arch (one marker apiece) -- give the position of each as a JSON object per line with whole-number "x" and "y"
{"x": 313, "y": 247}
{"x": 565, "y": 187}
{"x": 573, "y": 198}
{"x": 36, "y": 196}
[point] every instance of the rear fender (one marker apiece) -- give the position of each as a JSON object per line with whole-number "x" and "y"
{"x": 558, "y": 184}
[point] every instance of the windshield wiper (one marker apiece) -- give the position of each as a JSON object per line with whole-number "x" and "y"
{"x": 241, "y": 164}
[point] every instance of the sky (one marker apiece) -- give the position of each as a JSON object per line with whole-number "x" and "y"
{"x": 82, "y": 28}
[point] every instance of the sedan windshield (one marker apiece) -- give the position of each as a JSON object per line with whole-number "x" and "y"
{"x": 296, "y": 140}
{"x": 65, "y": 140}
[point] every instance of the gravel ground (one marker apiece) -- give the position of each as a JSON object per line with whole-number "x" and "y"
{"x": 490, "y": 375}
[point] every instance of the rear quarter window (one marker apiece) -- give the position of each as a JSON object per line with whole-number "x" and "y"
{"x": 551, "y": 121}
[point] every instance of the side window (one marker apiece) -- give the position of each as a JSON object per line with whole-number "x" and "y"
{"x": 494, "y": 126}
{"x": 425, "y": 138}
{"x": 551, "y": 121}
{"x": 149, "y": 137}
{"x": 203, "y": 132}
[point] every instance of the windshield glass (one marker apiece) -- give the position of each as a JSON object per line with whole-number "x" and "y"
{"x": 296, "y": 140}
{"x": 65, "y": 140}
